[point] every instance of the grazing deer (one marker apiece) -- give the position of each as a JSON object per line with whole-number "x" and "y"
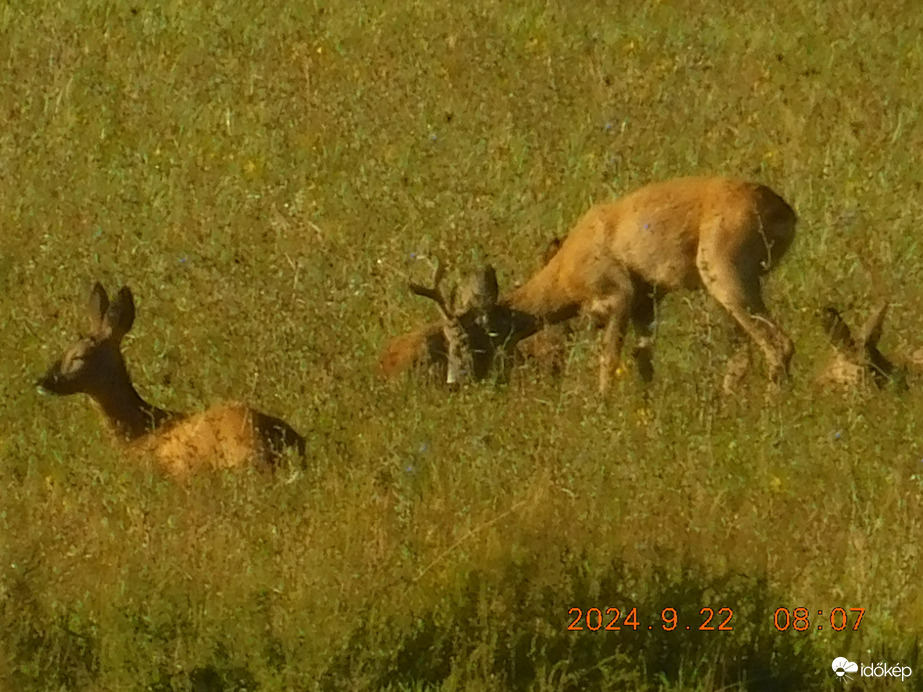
{"x": 621, "y": 258}
{"x": 226, "y": 435}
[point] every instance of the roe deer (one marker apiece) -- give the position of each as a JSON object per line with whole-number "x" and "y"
{"x": 464, "y": 338}
{"x": 226, "y": 435}
{"x": 466, "y": 342}
{"x": 856, "y": 359}
{"x": 622, "y": 257}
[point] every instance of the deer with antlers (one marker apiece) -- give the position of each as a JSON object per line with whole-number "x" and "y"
{"x": 464, "y": 343}
{"x": 469, "y": 339}
{"x": 226, "y": 435}
{"x": 717, "y": 234}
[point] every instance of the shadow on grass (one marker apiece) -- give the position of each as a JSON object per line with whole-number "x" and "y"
{"x": 516, "y": 636}
{"x": 217, "y": 677}
{"x": 48, "y": 651}
{"x": 62, "y": 652}
{"x": 497, "y": 629}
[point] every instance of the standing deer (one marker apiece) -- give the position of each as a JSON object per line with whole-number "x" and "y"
{"x": 226, "y": 435}
{"x": 717, "y": 234}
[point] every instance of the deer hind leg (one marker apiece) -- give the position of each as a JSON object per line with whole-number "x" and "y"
{"x": 614, "y": 311}
{"x": 642, "y": 320}
{"x": 738, "y": 364}
{"x": 739, "y": 292}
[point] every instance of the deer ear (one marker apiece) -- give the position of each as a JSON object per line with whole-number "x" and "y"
{"x": 553, "y": 246}
{"x": 491, "y": 286}
{"x": 871, "y": 330}
{"x": 97, "y": 306}
{"x": 121, "y": 314}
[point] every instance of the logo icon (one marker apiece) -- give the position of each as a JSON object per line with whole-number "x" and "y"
{"x": 841, "y": 666}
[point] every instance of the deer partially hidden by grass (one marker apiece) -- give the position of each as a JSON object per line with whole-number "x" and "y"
{"x": 717, "y": 234}
{"x": 463, "y": 344}
{"x": 856, "y": 359}
{"x": 467, "y": 343}
{"x": 226, "y": 435}
{"x": 466, "y": 333}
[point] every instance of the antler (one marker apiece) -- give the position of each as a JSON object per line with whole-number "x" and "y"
{"x": 870, "y": 333}
{"x": 434, "y": 293}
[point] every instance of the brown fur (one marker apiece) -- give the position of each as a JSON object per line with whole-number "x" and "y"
{"x": 467, "y": 324}
{"x": 470, "y": 331}
{"x": 548, "y": 347}
{"x": 226, "y": 435}
{"x": 714, "y": 233}
{"x": 423, "y": 345}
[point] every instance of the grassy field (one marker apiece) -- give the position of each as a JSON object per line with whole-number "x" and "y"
{"x": 266, "y": 177}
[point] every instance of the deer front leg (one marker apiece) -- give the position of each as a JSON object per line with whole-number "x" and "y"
{"x": 643, "y": 314}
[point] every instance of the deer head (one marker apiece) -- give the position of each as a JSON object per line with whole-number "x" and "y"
{"x": 223, "y": 436}
{"x": 473, "y": 324}
{"x": 719, "y": 234}
{"x": 94, "y": 363}
{"x": 856, "y": 357}
{"x": 476, "y": 328}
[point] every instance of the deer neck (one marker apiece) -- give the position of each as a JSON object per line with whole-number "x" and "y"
{"x": 128, "y": 415}
{"x": 540, "y": 301}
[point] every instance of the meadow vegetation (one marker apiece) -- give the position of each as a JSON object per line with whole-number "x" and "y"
{"x": 266, "y": 177}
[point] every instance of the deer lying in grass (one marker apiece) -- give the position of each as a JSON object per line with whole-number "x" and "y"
{"x": 621, "y": 258}
{"x": 226, "y": 435}
{"x": 856, "y": 359}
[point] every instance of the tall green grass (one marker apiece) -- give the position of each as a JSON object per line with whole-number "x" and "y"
{"x": 265, "y": 176}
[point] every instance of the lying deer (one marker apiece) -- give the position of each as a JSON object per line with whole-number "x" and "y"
{"x": 621, "y": 258}
{"x": 856, "y": 359}
{"x": 224, "y": 436}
